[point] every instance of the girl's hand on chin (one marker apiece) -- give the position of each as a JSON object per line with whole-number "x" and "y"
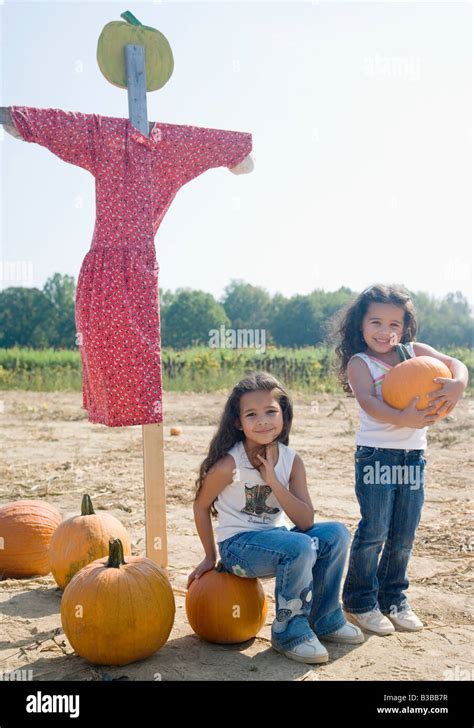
{"x": 267, "y": 468}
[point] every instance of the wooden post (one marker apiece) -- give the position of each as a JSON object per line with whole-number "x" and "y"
{"x": 152, "y": 435}
{"x": 155, "y": 494}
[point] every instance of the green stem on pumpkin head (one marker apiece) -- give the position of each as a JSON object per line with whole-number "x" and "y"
{"x": 87, "y": 508}
{"x": 220, "y": 567}
{"x": 116, "y": 559}
{"x": 403, "y": 352}
{"x": 130, "y": 18}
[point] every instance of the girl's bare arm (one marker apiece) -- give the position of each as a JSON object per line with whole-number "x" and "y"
{"x": 364, "y": 391}
{"x": 218, "y": 478}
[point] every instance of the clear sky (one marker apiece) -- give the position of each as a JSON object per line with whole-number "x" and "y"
{"x": 361, "y": 117}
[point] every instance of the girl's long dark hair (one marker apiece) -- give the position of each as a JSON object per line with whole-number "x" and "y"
{"x": 348, "y": 325}
{"x": 228, "y": 433}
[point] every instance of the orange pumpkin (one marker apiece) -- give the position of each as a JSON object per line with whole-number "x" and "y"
{"x": 82, "y": 539}
{"x": 411, "y": 378}
{"x": 26, "y": 528}
{"x": 176, "y": 431}
{"x": 118, "y": 610}
{"x": 225, "y": 608}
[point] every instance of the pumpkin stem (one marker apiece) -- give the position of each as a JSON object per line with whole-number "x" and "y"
{"x": 220, "y": 567}
{"x": 116, "y": 559}
{"x": 130, "y": 18}
{"x": 403, "y": 352}
{"x": 86, "y": 506}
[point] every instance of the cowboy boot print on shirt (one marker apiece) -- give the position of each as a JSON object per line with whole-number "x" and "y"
{"x": 255, "y": 498}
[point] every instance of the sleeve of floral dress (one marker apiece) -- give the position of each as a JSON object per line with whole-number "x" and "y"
{"x": 199, "y": 149}
{"x": 70, "y": 135}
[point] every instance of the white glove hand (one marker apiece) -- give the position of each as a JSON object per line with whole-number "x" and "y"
{"x": 13, "y": 131}
{"x": 245, "y": 167}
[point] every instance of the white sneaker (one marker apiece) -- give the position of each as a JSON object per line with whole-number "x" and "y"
{"x": 406, "y": 620}
{"x": 311, "y": 651}
{"x": 348, "y": 634}
{"x": 373, "y": 622}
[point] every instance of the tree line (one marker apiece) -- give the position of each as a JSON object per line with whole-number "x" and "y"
{"x": 44, "y": 318}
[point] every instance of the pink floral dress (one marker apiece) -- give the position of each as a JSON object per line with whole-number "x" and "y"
{"x": 117, "y": 301}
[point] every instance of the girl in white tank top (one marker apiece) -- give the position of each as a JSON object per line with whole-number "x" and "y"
{"x": 373, "y": 432}
{"x": 389, "y": 457}
{"x": 256, "y": 484}
{"x": 248, "y": 503}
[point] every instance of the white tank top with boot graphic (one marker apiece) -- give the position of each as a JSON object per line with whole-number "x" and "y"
{"x": 248, "y": 504}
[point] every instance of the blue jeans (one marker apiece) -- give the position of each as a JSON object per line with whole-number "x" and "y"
{"x": 308, "y": 567}
{"x": 390, "y": 491}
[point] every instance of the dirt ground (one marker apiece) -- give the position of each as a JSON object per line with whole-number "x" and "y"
{"x": 52, "y": 452}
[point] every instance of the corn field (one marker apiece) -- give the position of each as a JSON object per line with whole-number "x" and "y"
{"x": 198, "y": 369}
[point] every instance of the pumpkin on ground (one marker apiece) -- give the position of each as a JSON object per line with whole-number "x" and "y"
{"x": 118, "y": 609}
{"x": 411, "y": 378}
{"x": 26, "y": 528}
{"x": 82, "y": 539}
{"x": 225, "y": 608}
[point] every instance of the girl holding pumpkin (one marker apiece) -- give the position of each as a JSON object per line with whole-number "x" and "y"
{"x": 371, "y": 332}
{"x": 252, "y": 480}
